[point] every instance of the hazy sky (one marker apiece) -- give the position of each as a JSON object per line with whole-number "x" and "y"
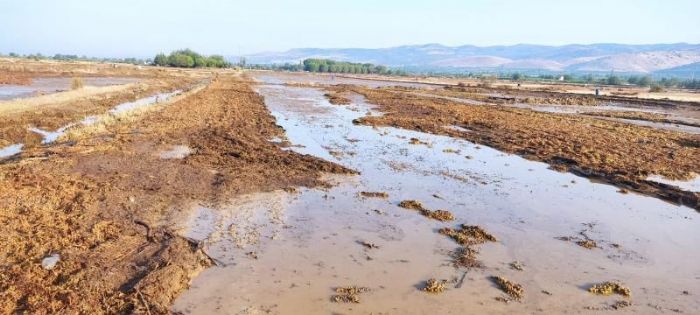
{"x": 124, "y": 28}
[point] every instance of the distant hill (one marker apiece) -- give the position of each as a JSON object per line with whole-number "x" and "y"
{"x": 569, "y": 58}
{"x": 686, "y": 71}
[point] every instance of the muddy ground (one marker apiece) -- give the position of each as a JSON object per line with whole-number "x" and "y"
{"x": 618, "y": 153}
{"x": 101, "y": 201}
{"x": 203, "y": 203}
{"x": 550, "y": 235}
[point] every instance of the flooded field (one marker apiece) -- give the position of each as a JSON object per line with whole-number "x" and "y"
{"x": 557, "y": 233}
{"x": 41, "y": 86}
{"x": 229, "y": 192}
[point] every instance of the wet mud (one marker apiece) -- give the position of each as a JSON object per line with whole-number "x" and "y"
{"x": 313, "y": 241}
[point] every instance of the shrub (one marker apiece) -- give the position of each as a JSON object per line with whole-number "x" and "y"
{"x": 76, "y": 83}
{"x": 656, "y": 89}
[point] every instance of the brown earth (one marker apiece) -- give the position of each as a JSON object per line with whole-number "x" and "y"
{"x": 15, "y": 78}
{"x": 337, "y": 98}
{"x": 617, "y": 153}
{"x": 103, "y": 202}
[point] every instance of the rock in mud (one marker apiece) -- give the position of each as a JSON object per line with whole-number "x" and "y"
{"x": 50, "y": 262}
{"x": 368, "y": 244}
{"x": 516, "y": 265}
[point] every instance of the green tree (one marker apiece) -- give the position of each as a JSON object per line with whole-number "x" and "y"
{"x": 200, "y": 62}
{"x": 181, "y": 60}
{"x": 613, "y": 80}
{"x": 160, "y": 60}
{"x": 645, "y": 81}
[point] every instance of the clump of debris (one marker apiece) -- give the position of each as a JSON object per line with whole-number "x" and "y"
{"x": 468, "y": 235}
{"x": 610, "y": 288}
{"x": 513, "y": 289}
{"x": 374, "y": 194}
{"x": 418, "y": 141}
{"x": 348, "y": 294}
{"x": 434, "y": 286}
{"x": 583, "y": 239}
{"x": 440, "y": 215}
{"x": 465, "y": 257}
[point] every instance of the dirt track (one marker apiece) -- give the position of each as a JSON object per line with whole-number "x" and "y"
{"x": 102, "y": 201}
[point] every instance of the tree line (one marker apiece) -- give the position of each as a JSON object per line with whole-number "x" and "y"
{"x": 610, "y": 79}
{"x": 329, "y": 66}
{"x": 68, "y": 57}
{"x": 332, "y": 66}
{"x": 187, "y": 58}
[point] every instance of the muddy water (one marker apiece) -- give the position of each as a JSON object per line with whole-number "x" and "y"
{"x": 10, "y": 150}
{"x": 283, "y": 253}
{"x": 52, "y": 85}
{"x": 309, "y": 78}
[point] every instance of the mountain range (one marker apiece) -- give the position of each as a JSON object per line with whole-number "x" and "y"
{"x": 678, "y": 58}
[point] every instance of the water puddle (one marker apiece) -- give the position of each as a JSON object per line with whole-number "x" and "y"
{"x": 146, "y": 101}
{"x": 284, "y": 253}
{"x": 10, "y": 150}
{"x": 657, "y": 125}
{"x": 299, "y": 78}
{"x": 52, "y": 85}
{"x": 689, "y": 185}
{"x": 176, "y": 152}
{"x": 50, "y": 136}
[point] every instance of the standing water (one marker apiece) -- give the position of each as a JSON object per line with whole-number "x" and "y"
{"x": 285, "y": 253}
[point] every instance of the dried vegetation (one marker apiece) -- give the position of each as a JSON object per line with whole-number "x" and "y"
{"x": 440, "y": 215}
{"x": 511, "y": 288}
{"x": 102, "y": 202}
{"x": 610, "y": 288}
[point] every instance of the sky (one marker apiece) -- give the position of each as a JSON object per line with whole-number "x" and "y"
{"x": 126, "y": 28}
